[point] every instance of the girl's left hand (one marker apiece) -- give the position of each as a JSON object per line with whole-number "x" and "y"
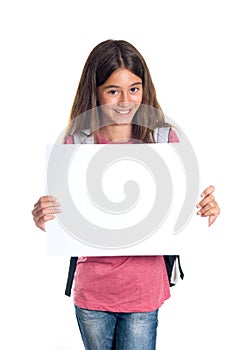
{"x": 208, "y": 207}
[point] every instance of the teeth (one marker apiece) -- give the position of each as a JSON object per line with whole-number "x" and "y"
{"x": 122, "y": 112}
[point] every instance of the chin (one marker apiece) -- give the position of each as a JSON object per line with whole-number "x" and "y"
{"x": 123, "y": 121}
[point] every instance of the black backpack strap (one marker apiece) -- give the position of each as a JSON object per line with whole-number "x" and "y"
{"x": 180, "y": 268}
{"x": 71, "y": 273}
{"x": 169, "y": 262}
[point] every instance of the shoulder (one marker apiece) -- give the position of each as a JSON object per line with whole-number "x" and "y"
{"x": 165, "y": 135}
{"x": 85, "y": 136}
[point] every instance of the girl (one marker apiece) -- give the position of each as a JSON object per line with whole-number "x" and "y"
{"x": 117, "y": 298}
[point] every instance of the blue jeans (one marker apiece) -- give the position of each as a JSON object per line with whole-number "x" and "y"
{"x": 102, "y": 330}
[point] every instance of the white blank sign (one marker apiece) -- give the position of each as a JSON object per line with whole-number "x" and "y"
{"x": 119, "y": 199}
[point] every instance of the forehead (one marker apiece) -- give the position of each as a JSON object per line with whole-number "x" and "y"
{"x": 122, "y": 77}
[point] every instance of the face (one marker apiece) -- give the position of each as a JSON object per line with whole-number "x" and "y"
{"x": 120, "y": 97}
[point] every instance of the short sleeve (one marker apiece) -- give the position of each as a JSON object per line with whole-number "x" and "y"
{"x": 69, "y": 140}
{"x": 172, "y": 137}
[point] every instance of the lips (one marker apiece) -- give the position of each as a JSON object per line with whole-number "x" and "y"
{"x": 122, "y": 111}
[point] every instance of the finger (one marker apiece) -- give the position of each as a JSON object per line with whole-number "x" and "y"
{"x": 211, "y": 208}
{"x": 209, "y": 190}
{"x": 43, "y": 199}
{"x": 209, "y": 198}
{"x": 49, "y": 208}
{"x": 46, "y": 204}
{"x": 41, "y": 222}
{"x": 207, "y": 211}
{"x": 39, "y": 214}
{"x": 211, "y": 219}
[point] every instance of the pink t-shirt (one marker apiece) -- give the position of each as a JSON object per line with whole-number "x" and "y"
{"x": 121, "y": 283}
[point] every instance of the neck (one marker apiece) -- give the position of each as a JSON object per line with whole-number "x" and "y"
{"x": 116, "y": 133}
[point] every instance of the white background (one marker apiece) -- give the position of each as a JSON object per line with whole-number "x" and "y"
{"x": 196, "y": 52}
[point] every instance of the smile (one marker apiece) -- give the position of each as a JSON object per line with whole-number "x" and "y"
{"x": 122, "y": 112}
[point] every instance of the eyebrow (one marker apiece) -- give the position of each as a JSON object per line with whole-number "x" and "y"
{"x": 116, "y": 86}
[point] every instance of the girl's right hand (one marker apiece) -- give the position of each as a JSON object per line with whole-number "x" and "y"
{"x": 45, "y": 210}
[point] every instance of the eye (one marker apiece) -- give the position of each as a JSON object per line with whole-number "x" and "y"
{"x": 134, "y": 89}
{"x": 112, "y": 92}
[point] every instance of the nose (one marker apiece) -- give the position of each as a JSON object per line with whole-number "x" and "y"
{"x": 124, "y": 99}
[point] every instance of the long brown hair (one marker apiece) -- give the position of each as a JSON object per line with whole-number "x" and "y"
{"x": 103, "y": 60}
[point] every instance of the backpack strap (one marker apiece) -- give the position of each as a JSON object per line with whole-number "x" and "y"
{"x": 165, "y": 135}
{"x": 161, "y": 135}
{"x": 85, "y": 136}
{"x": 170, "y": 262}
{"x": 71, "y": 273}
